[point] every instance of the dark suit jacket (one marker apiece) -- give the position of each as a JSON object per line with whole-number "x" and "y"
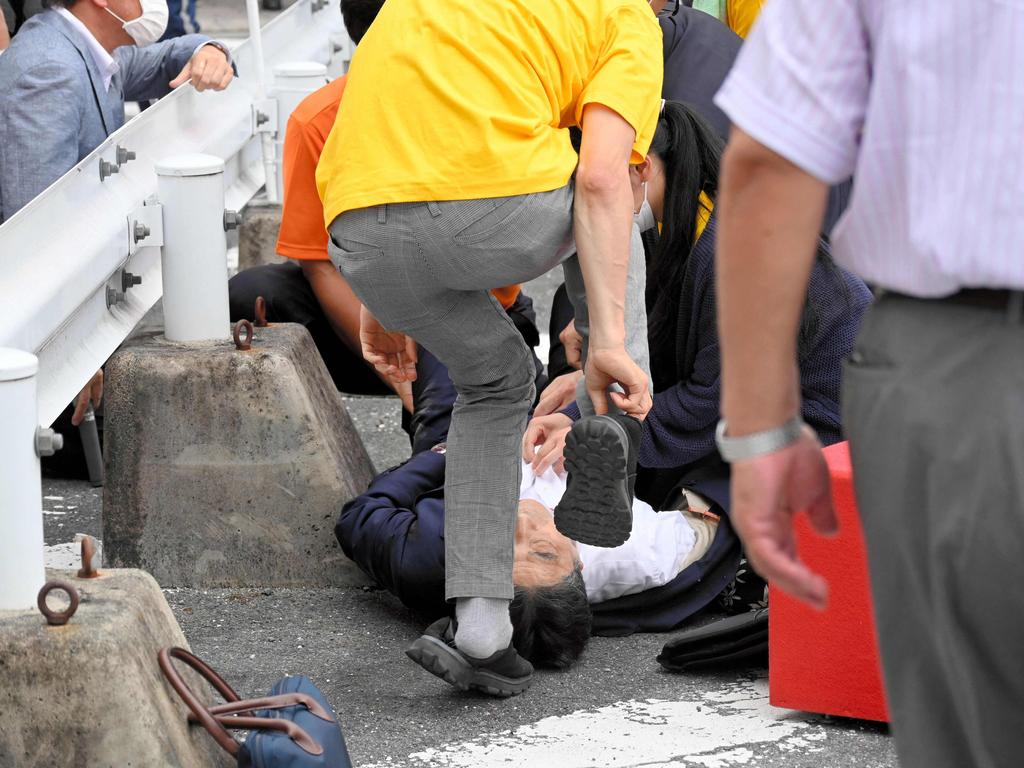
{"x": 395, "y": 534}
{"x": 699, "y": 52}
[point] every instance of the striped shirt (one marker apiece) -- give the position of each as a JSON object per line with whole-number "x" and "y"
{"x": 922, "y": 101}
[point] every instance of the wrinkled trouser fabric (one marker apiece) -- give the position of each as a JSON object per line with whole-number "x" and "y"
{"x": 933, "y": 404}
{"x": 425, "y": 269}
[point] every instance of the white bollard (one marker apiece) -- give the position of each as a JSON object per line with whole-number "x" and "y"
{"x": 194, "y": 264}
{"x": 22, "y": 572}
{"x": 293, "y": 81}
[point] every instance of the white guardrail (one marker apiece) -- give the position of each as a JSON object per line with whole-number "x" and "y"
{"x": 64, "y": 253}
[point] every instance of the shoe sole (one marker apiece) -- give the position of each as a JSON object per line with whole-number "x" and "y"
{"x": 597, "y": 508}
{"x": 440, "y": 660}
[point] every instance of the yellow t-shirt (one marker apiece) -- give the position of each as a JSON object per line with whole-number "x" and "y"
{"x": 740, "y": 15}
{"x": 462, "y": 99}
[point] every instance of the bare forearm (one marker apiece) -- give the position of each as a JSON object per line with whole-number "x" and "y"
{"x": 770, "y": 215}
{"x": 601, "y": 225}
{"x": 340, "y": 304}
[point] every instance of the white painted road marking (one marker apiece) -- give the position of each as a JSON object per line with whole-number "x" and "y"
{"x": 719, "y": 731}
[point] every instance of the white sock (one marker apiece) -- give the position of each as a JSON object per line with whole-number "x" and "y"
{"x": 484, "y": 626}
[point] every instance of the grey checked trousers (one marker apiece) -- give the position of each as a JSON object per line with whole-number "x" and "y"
{"x": 426, "y": 269}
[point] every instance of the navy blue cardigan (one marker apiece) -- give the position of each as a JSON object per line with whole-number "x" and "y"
{"x": 680, "y": 429}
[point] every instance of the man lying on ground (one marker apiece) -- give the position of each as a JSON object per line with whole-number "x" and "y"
{"x": 673, "y": 565}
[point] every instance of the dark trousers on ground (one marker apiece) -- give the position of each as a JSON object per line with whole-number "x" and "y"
{"x": 290, "y": 299}
{"x": 934, "y": 409}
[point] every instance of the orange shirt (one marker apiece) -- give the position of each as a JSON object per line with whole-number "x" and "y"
{"x": 302, "y": 234}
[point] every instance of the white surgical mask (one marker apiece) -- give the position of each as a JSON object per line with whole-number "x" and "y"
{"x": 147, "y": 28}
{"x": 644, "y": 218}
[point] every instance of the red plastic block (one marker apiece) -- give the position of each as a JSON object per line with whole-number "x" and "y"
{"x": 827, "y": 661}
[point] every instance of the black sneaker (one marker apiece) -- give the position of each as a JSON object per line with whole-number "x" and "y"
{"x": 600, "y": 456}
{"x": 501, "y": 674}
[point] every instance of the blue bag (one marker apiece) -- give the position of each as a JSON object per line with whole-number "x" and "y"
{"x": 293, "y": 726}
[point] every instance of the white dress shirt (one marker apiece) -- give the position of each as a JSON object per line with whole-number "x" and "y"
{"x": 657, "y": 549}
{"x": 104, "y": 61}
{"x": 923, "y": 103}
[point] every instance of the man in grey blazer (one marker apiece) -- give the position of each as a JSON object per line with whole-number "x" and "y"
{"x": 66, "y": 76}
{"x": 63, "y": 83}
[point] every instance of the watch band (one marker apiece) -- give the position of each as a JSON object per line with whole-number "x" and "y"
{"x": 734, "y": 449}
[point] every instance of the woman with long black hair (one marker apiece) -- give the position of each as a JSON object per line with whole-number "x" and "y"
{"x": 676, "y": 187}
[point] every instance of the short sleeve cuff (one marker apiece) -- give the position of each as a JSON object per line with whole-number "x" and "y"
{"x": 771, "y": 124}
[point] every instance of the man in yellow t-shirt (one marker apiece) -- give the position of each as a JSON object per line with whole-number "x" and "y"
{"x": 449, "y": 172}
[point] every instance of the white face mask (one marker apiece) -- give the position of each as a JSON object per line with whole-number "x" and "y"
{"x": 644, "y": 218}
{"x": 147, "y": 28}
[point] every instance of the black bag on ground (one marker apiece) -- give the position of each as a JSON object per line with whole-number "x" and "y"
{"x": 291, "y": 727}
{"x": 726, "y": 642}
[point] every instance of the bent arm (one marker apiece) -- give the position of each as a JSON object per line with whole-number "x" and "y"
{"x": 337, "y": 299}
{"x": 770, "y": 214}
{"x": 149, "y": 71}
{"x": 603, "y": 220}
{"x": 381, "y": 532}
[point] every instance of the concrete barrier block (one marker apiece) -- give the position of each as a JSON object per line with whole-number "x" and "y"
{"x": 90, "y": 693}
{"x": 228, "y": 468}
{"x": 257, "y": 236}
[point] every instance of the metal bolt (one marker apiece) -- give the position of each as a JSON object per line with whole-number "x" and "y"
{"x": 232, "y": 220}
{"x": 114, "y": 296}
{"x": 139, "y": 231}
{"x": 107, "y": 169}
{"x": 261, "y": 118}
{"x": 124, "y": 155}
{"x": 48, "y": 442}
{"x": 88, "y": 552}
{"x": 128, "y": 280}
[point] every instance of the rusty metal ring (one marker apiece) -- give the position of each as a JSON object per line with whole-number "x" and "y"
{"x": 243, "y": 325}
{"x": 57, "y": 618}
{"x": 260, "y": 312}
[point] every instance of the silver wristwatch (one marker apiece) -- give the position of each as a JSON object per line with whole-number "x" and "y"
{"x": 759, "y": 443}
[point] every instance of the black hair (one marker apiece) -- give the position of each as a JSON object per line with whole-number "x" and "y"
{"x": 551, "y": 624}
{"x": 691, "y": 152}
{"x": 359, "y": 15}
{"x": 58, "y": 3}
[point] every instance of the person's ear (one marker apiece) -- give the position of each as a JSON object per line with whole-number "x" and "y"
{"x": 644, "y": 169}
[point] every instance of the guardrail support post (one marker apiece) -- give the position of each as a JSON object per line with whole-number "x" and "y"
{"x": 22, "y": 572}
{"x": 194, "y": 265}
{"x": 293, "y": 81}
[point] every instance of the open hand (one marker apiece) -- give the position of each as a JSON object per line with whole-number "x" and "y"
{"x": 208, "y": 69}
{"x": 544, "y": 442}
{"x": 559, "y": 393}
{"x": 767, "y": 492}
{"x": 91, "y": 393}
{"x": 393, "y": 354}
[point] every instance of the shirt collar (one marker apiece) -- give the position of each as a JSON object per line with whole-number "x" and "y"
{"x": 104, "y": 61}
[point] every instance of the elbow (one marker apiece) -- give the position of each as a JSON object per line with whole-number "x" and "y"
{"x": 598, "y": 181}
{"x": 745, "y": 159}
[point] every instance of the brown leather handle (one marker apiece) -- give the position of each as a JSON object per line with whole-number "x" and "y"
{"x": 295, "y": 733}
{"x": 279, "y": 701}
{"x": 202, "y": 714}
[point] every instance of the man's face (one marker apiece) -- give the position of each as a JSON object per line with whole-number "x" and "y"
{"x": 127, "y": 10}
{"x": 658, "y": 5}
{"x": 543, "y": 556}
